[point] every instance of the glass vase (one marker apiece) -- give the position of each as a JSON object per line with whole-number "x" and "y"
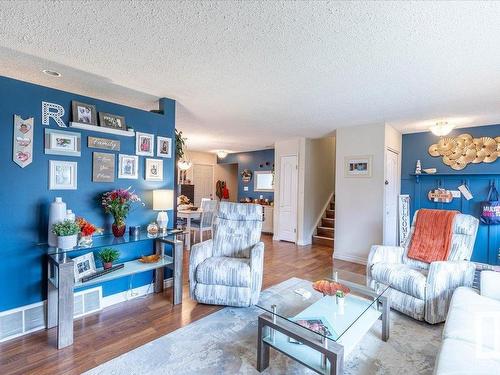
{"x": 118, "y": 229}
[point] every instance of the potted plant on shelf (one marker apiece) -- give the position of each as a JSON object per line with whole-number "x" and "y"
{"x": 118, "y": 203}
{"x": 87, "y": 229}
{"x": 108, "y": 256}
{"x": 67, "y": 234}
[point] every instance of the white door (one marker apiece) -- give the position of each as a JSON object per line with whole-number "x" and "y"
{"x": 287, "y": 226}
{"x": 391, "y": 194}
{"x": 203, "y": 180}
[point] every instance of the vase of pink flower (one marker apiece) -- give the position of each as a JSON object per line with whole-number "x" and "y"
{"x": 118, "y": 203}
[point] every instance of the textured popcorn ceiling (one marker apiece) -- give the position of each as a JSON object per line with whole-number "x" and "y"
{"x": 248, "y": 73}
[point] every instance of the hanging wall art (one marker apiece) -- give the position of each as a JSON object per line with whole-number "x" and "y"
{"x": 52, "y": 111}
{"x": 23, "y": 141}
{"x": 458, "y": 152}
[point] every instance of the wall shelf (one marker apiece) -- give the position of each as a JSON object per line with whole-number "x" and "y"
{"x": 100, "y": 129}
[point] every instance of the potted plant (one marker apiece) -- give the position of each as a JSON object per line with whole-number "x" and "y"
{"x": 118, "y": 203}
{"x": 87, "y": 229}
{"x": 67, "y": 234}
{"x": 108, "y": 256}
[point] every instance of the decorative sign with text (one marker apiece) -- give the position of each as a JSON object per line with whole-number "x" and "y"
{"x": 104, "y": 143}
{"x": 103, "y": 167}
{"x": 404, "y": 218}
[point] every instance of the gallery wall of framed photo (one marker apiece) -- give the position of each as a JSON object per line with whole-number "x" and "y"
{"x": 42, "y": 157}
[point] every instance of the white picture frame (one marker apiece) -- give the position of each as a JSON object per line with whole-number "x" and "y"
{"x": 358, "y": 166}
{"x": 163, "y": 147}
{"x": 144, "y": 144}
{"x": 128, "y": 166}
{"x": 63, "y": 175}
{"x": 84, "y": 265}
{"x": 153, "y": 170}
{"x": 60, "y": 142}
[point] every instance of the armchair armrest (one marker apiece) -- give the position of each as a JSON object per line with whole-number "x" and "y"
{"x": 257, "y": 270}
{"x": 199, "y": 252}
{"x": 383, "y": 254}
{"x": 442, "y": 280}
{"x": 490, "y": 284}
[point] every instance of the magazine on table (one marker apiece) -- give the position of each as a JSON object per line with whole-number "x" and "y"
{"x": 318, "y": 325}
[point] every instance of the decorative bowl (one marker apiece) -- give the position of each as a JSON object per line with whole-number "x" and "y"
{"x": 330, "y": 288}
{"x": 150, "y": 258}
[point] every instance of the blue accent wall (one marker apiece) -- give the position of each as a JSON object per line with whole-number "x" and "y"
{"x": 25, "y": 197}
{"x": 251, "y": 160}
{"x": 477, "y": 177}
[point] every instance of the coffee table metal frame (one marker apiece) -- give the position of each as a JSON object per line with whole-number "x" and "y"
{"x": 331, "y": 351}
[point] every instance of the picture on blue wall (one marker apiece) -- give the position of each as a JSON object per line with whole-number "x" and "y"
{"x": 62, "y": 175}
{"x": 84, "y": 113}
{"x": 128, "y": 166}
{"x": 144, "y": 144}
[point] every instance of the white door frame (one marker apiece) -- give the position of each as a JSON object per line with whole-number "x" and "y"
{"x": 288, "y": 234}
{"x": 397, "y": 181}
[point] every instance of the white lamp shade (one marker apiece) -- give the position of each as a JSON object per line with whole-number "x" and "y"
{"x": 163, "y": 199}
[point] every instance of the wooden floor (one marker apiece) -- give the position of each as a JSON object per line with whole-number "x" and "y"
{"x": 125, "y": 326}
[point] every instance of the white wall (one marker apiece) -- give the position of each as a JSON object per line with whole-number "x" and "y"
{"x": 359, "y": 201}
{"x": 319, "y": 180}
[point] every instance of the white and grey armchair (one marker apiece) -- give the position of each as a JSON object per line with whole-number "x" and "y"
{"x": 227, "y": 270}
{"x": 422, "y": 290}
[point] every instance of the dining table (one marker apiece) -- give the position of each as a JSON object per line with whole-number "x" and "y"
{"x": 189, "y": 215}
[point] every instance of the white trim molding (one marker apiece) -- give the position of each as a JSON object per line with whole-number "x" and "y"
{"x": 349, "y": 258}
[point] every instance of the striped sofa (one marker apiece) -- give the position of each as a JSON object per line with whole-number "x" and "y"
{"x": 421, "y": 290}
{"x": 227, "y": 270}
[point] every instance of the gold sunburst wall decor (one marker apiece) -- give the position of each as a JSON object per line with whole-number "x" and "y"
{"x": 459, "y": 151}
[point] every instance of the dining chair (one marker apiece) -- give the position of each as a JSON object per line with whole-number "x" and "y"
{"x": 208, "y": 209}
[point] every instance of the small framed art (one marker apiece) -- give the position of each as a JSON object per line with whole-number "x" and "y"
{"x": 83, "y": 113}
{"x": 128, "y": 166}
{"x": 107, "y": 120}
{"x": 103, "y": 167}
{"x": 358, "y": 166}
{"x": 60, "y": 142}
{"x": 164, "y": 147}
{"x": 154, "y": 170}
{"x": 144, "y": 144}
{"x": 84, "y": 265}
{"x": 62, "y": 175}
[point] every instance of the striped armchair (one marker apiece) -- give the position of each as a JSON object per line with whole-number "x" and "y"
{"x": 227, "y": 270}
{"x": 421, "y": 290}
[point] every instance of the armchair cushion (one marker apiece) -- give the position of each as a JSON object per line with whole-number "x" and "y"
{"x": 490, "y": 284}
{"x": 401, "y": 277}
{"x": 224, "y": 271}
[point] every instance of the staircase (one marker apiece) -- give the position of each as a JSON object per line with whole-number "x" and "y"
{"x": 325, "y": 230}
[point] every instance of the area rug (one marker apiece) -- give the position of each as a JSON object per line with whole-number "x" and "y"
{"x": 225, "y": 343}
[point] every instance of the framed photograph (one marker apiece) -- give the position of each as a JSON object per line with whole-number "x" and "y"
{"x": 103, "y": 167}
{"x": 154, "y": 170}
{"x": 107, "y": 120}
{"x": 144, "y": 144}
{"x": 128, "y": 166}
{"x": 60, "y": 142}
{"x": 84, "y": 113}
{"x": 84, "y": 265}
{"x": 62, "y": 175}
{"x": 163, "y": 147}
{"x": 358, "y": 166}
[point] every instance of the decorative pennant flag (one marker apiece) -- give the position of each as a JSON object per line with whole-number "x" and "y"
{"x": 23, "y": 141}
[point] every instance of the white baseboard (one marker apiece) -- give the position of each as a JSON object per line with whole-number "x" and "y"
{"x": 349, "y": 258}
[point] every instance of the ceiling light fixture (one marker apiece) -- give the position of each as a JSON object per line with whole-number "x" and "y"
{"x": 441, "y": 128}
{"x": 221, "y": 154}
{"x": 51, "y": 73}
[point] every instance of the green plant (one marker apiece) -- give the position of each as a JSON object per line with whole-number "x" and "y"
{"x": 108, "y": 255}
{"x": 65, "y": 228}
{"x": 180, "y": 143}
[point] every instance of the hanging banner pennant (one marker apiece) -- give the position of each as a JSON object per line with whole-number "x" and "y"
{"x": 23, "y": 141}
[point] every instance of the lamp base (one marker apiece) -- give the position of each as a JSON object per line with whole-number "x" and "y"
{"x": 162, "y": 220}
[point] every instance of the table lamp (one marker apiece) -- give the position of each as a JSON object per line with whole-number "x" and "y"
{"x": 163, "y": 200}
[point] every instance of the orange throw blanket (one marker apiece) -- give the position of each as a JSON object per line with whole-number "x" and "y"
{"x": 432, "y": 238}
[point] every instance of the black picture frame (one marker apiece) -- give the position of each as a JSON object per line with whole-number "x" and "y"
{"x": 108, "y": 120}
{"x": 82, "y": 117}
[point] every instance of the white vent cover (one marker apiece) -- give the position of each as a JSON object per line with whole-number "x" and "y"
{"x": 30, "y": 318}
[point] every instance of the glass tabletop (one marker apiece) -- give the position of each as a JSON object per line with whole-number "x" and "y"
{"x": 107, "y": 240}
{"x": 321, "y": 311}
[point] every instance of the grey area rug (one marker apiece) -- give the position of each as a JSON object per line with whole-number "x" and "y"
{"x": 225, "y": 342}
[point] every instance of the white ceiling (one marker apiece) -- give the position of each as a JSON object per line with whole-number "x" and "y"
{"x": 245, "y": 74}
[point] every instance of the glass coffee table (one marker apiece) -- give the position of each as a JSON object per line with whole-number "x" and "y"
{"x": 318, "y": 329}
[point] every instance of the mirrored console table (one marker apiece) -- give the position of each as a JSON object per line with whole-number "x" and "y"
{"x": 61, "y": 279}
